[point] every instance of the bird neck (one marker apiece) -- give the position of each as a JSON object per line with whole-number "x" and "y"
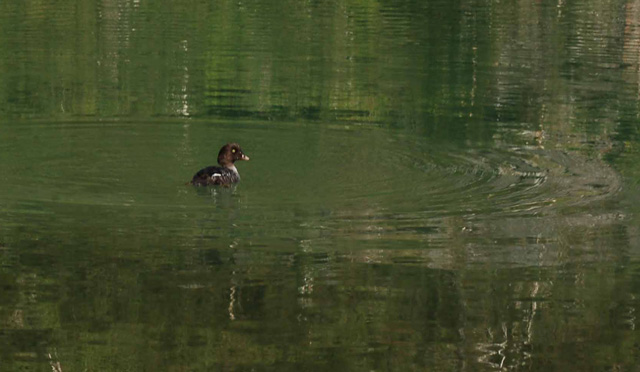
{"x": 231, "y": 167}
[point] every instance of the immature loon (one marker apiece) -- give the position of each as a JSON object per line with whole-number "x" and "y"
{"x": 226, "y": 174}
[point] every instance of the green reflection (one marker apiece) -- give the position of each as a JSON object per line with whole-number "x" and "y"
{"x": 433, "y": 185}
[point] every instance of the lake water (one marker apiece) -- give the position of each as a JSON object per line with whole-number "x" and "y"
{"x": 441, "y": 186}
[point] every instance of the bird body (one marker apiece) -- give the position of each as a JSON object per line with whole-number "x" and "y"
{"x": 227, "y": 173}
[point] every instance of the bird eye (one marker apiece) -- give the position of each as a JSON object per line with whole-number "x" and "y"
{"x": 233, "y": 151}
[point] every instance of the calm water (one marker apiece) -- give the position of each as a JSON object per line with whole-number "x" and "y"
{"x": 442, "y": 186}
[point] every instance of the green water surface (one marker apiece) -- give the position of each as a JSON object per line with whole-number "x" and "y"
{"x": 433, "y": 185}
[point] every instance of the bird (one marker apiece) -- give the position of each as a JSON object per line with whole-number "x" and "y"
{"x": 226, "y": 174}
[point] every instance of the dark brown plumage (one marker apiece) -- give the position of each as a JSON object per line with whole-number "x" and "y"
{"x": 226, "y": 174}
